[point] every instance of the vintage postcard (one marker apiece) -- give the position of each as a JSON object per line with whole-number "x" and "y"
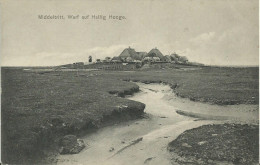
{"x": 137, "y": 82}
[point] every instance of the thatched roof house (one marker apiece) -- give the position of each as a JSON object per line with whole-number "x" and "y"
{"x": 130, "y": 55}
{"x": 129, "y": 52}
{"x": 155, "y": 53}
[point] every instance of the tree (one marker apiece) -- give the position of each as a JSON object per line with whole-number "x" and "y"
{"x": 90, "y": 59}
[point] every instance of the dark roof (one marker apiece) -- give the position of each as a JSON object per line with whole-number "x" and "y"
{"x": 155, "y": 52}
{"x": 129, "y": 52}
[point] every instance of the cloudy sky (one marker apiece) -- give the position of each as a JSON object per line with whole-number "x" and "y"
{"x": 216, "y": 32}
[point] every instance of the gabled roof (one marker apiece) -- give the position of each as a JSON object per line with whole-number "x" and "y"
{"x": 129, "y": 52}
{"x": 155, "y": 53}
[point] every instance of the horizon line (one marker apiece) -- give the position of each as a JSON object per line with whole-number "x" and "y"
{"x": 69, "y": 63}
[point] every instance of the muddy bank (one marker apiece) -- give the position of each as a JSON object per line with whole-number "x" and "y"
{"x": 145, "y": 141}
{"x": 139, "y": 141}
{"x": 233, "y": 139}
{"x": 130, "y": 111}
{"x": 217, "y": 144}
{"x": 244, "y": 114}
{"x": 53, "y": 135}
{"x": 230, "y": 116}
{"x": 216, "y": 101}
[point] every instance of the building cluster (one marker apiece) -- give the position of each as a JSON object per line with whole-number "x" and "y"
{"x": 129, "y": 55}
{"x": 129, "y": 59}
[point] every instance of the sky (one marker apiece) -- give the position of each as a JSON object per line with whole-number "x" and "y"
{"x": 216, "y": 32}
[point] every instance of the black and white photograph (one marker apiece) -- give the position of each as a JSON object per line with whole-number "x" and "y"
{"x": 140, "y": 82}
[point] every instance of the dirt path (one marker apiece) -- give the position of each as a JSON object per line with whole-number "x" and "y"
{"x": 142, "y": 141}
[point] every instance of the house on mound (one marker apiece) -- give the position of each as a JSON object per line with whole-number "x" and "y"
{"x": 130, "y": 54}
{"x": 154, "y": 55}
